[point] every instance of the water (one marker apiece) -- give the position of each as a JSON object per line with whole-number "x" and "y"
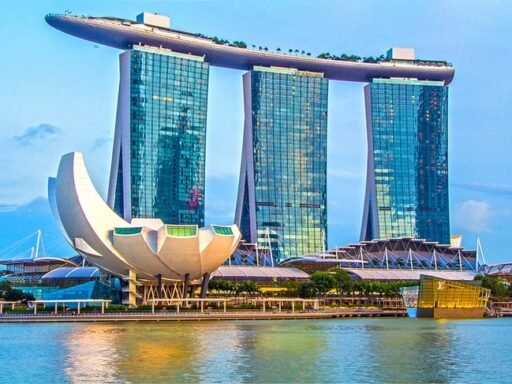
{"x": 357, "y": 350}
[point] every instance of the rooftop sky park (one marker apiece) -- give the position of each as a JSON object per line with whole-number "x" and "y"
{"x": 156, "y": 32}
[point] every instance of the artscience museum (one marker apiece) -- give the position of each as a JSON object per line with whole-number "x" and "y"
{"x": 166, "y": 258}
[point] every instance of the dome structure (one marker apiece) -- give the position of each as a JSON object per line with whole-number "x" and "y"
{"x": 147, "y": 248}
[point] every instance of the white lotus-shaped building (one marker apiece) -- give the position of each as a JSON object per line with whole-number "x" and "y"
{"x": 145, "y": 248}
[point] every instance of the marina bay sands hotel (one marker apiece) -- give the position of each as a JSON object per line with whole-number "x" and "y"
{"x": 158, "y": 163}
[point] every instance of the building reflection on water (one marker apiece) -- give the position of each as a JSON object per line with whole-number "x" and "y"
{"x": 413, "y": 348}
{"x": 213, "y": 351}
{"x": 358, "y": 350}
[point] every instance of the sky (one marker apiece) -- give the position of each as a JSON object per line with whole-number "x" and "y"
{"x": 58, "y": 94}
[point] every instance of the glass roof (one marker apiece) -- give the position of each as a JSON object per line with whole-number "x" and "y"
{"x": 73, "y": 273}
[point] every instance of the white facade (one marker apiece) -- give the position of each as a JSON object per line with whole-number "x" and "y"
{"x": 401, "y": 53}
{"x": 154, "y": 20}
{"x": 145, "y": 247}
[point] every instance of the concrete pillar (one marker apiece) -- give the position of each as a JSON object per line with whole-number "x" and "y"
{"x": 132, "y": 289}
{"x": 185, "y": 286}
{"x": 204, "y": 285}
{"x": 159, "y": 286}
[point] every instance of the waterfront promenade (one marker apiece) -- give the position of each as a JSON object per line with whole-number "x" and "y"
{"x": 197, "y": 315}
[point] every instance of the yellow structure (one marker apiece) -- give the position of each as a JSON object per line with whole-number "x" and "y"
{"x": 439, "y": 298}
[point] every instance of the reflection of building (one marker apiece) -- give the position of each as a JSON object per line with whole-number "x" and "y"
{"x": 283, "y": 181}
{"x": 143, "y": 249}
{"x": 393, "y": 259}
{"x": 407, "y": 177}
{"x": 160, "y": 141}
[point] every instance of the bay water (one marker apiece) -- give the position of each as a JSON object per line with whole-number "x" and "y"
{"x": 397, "y": 350}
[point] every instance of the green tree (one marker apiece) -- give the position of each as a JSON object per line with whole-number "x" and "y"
{"x": 344, "y": 283}
{"x": 292, "y": 288}
{"x": 213, "y": 285}
{"x": 307, "y": 290}
{"x": 323, "y": 282}
{"x": 5, "y": 286}
{"x": 249, "y": 287}
{"x": 499, "y": 288}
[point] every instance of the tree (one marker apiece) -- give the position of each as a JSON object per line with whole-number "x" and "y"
{"x": 307, "y": 290}
{"x": 292, "y": 287}
{"x": 214, "y": 285}
{"x": 344, "y": 283}
{"x": 249, "y": 287}
{"x": 278, "y": 49}
{"x": 8, "y": 293}
{"x": 226, "y": 286}
{"x": 239, "y": 44}
{"x": 5, "y": 286}
{"x": 323, "y": 282}
{"x": 497, "y": 286}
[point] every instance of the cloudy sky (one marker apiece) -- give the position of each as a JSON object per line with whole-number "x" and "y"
{"x": 58, "y": 94}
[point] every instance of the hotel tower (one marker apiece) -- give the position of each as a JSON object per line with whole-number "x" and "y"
{"x": 282, "y": 196}
{"x": 158, "y": 164}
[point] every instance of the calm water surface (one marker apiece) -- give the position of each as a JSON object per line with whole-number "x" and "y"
{"x": 362, "y": 350}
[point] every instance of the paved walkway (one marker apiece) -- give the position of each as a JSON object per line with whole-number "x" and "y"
{"x": 194, "y": 316}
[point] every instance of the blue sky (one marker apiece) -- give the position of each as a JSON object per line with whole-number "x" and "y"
{"x": 58, "y": 94}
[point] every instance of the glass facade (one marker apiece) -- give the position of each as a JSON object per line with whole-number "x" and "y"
{"x": 284, "y": 169}
{"x": 439, "y": 293}
{"x": 407, "y": 180}
{"x": 168, "y": 97}
{"x": 181, "y": 230}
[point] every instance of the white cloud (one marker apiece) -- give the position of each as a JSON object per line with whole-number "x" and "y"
{"x": 473, "y": 216}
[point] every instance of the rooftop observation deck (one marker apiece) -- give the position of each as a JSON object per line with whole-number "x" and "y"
{"x": 124, "y": 34}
